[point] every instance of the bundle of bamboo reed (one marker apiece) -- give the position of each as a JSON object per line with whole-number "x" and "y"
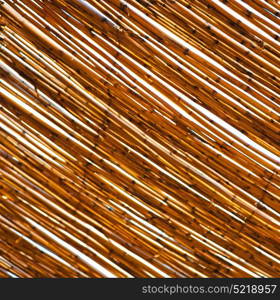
{"x": 139, "y": 138}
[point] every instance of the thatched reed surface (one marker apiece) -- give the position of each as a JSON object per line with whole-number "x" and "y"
{"x": 142, "y": 134}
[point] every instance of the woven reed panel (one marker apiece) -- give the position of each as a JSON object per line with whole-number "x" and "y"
{"x": 139, "y": 138}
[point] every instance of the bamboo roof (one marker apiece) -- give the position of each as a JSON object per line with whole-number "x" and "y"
{"x": 139, "y": 138}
